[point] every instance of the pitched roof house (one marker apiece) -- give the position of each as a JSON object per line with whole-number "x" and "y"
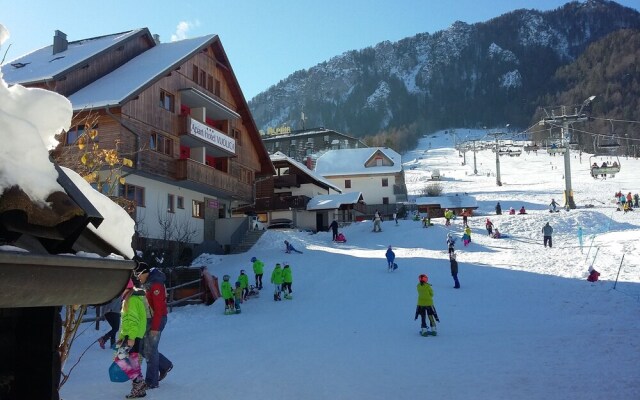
{"x": 176, "y": 109}
{"x": 375, "y": 172}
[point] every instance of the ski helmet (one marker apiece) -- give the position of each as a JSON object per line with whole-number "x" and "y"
{"x": 253, "y": 259}
{"x": 237, "y": 284}
{"x": 423, "y": 278}
{"x": 242, "y": 271}
{"x": 225, "y": 278}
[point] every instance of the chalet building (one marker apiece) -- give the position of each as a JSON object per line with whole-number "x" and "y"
{"x": 375, "y": 172}
{"x": 306, "y": 145}
{"x": 282, "y": 199}
{"x": 435, "y": 206}
{"x": 176, "y": 110}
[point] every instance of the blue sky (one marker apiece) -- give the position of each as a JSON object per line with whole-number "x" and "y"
{"x": 266, "y": 40}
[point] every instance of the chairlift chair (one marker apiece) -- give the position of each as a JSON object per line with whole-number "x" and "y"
{"x": 606, "y": 169}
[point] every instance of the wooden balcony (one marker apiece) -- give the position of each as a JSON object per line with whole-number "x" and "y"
{"x": 281, "y": 203}
{"x": 187, "y": 169}
{"x": 286, "y": 181}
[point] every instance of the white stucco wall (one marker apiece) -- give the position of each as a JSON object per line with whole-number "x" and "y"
{"x": 156, "y": 205}
{"x": 370, "y": 186}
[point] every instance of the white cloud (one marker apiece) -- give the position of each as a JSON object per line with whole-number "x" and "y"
{"x": 182, "y": 29}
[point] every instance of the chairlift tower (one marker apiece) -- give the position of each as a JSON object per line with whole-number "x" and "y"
{"x": 496, "y": 135}
{"x": 564, "y": 120}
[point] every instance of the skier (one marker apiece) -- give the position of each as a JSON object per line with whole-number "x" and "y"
{"x": 238, "y": 292}
{"x": 448, "y": 215}
{"x": 244, "y": 284}
{"x": 334, "y": 229}
{"x": 454, "y": 270}
{"x": 276, "y": 279}
{"x": 391, "y": 256}
{"x": 553, "y": 206}
{"x": 377, "y": 220}
{"x": 395, "y": 217}
{"x": 227, "y": 295}
{"x": 547, "y": 231}
{"x": 489, "y": 225}
{"x": 425, "y": 307}
{"x": 287, "y": 280}
{"x": 451, "y": 242}
{"x": 466, "y": 237}
{"x": 465, "y": 216}
{"x": 289, "y": 248}
{"x": 258, "y": 270}
{"x": 133, "y": 327}
{"x": 593, "y": 275}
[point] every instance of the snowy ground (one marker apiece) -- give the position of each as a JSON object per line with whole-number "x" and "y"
{"x": 525, "y": 324}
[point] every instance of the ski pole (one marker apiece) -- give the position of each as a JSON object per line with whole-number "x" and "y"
{"x": 619, "y": 268}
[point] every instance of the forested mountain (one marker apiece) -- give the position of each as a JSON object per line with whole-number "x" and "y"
{"x": 486, "y": 74}
{"x": 610, "y": 70}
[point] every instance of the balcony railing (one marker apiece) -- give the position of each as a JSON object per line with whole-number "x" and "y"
{"x": 281, "y": 203}
{"x": 285, "y": 181}
{"x": 187, "y": 169}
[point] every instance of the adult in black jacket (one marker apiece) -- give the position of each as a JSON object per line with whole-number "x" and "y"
{"x": 334, "y": 228}
{"x": 454, "y": 270}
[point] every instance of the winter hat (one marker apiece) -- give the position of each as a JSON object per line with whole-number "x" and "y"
{"x": 423, "y": 278}
{"x": 141, "y": 267}
{"x": 253, "y": 259}
{"x": 237, "y": 284}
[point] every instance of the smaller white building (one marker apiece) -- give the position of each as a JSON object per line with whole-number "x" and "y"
{"x": 376, "y": 172}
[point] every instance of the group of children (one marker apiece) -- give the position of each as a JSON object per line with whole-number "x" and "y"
{"x": 626, "y": 203}
{"x": 281, "y": 278}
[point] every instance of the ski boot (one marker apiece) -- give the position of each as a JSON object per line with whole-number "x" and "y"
{"x": 424, "y": 332}
{"x": 139, "y": 389}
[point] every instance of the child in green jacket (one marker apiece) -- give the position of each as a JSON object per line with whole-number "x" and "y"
{"x": 276, "y": 279}
{"x": 133, "y": 326}
{"x": 425, "y": 306}
{"x": 237, "y": 294}
{"x": 244, "y": 284}
{"x": 287, "y": 280}
{"x": 258, "y": 270}
{"x": 227, "y": 295}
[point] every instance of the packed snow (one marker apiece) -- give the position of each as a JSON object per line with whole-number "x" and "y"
{"x": 525, "y": 324}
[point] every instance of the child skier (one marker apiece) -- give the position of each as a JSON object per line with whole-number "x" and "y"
{"x": 238, "y": 292}
{"x": 287, "y": 280}
{"x": 276, "y": 279}
{"x": 466, "y": 237}
{"x": 489, "y": 225}
{"x": 425, "y": 307}
{"x": 454, "y": 270}
{"x": 132, "y": 329}
{"x": 451, "y": 242}
{"x": 391, "y": 256}
{"x": 258, "y": 270}
{"x": 244, "y": 284}
{"x": 227, "y": 295}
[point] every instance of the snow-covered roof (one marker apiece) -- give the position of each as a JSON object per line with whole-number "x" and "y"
{"x": 353, "y": 162}
{"x": 456, "y": 201}
{"x": 41, "y": 65}
{"x": 279, "y": 156}
{"x": 134, "y": 76}
{"x": 333, "y": 201}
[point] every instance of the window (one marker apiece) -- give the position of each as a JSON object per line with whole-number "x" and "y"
{"x": 73, "y": 134}
{"x": 203, "y": 78}
{"x": 217, "y": 89}
{"x": 167, "y": 100}
{"x": 170, "y": 203}
{"x": 282, "y": 171}
{"x": 385, "y": 200}
{"x": 210, "y": 83}
{"x": 195, "y": 74}
{"x": 161, "y": 144}
{"x": 181, "y": 202}
{"x": 347, "y": 183}
{"x": 237, "y": 136}
{"x": 385, "y": 182}
{"x": 378, "y": 161}
{"x": 197, "y": 209}
{"x": 132, "y": 192}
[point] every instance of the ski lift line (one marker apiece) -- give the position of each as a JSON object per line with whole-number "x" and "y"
{"x": 617, "y": 120}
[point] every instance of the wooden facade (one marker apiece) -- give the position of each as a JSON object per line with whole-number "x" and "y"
{"x": 152, "y": 125}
